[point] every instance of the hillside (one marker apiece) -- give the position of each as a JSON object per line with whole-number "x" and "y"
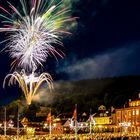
{"x": 86, "y": 94}
{"x": 92, "y": 93}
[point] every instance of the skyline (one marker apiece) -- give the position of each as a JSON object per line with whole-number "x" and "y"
{"x": 105, "y": 42}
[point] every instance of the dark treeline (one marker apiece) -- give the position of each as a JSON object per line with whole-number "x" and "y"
{"x": 87, "y": 94}
{"x": 91, "y": 93}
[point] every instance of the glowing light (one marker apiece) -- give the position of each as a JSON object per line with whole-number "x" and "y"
{"x": 125, "y": 124}
{"x": 29, "y": 83}
{"x": 33, "y": 31}
{"x": 54, "y": 124}
{"x": 100, "y": 126}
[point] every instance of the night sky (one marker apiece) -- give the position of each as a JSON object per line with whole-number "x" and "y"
{"x": 104, "y": 43}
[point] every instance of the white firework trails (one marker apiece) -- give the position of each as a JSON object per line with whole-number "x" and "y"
{"x": 29, "y": 83}
{"x": 33, "y": 31}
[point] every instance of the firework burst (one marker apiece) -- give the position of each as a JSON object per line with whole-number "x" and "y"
{"x": 34, "y": 30}
{"x": 29, "y": 83}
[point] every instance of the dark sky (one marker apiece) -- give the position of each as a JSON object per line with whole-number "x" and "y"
{"x": 105, "y": 43}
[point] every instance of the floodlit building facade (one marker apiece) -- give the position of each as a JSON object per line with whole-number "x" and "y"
{"x": 128, "y": 118}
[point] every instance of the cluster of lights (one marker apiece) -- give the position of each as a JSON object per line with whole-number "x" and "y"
{"x": 10, "y": 124}
{"x": 30, "y": 130}
{"x": 125, "y": 124}
{"x": 79, "y": 125}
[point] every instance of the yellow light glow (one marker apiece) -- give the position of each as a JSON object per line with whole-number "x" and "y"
{"x": 100, "y": 126}
{"x": 29, "y": 83}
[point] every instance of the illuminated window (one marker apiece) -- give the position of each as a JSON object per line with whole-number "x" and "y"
{"x": 134, "y": 104}
{"x": 137, "y": 112}
{"x": 129, "y": 113}
{"x": 133, "y": 113}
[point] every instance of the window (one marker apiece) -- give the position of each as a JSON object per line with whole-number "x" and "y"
{"x": 133, "y": 112}
{"x": 129, "y": 114}
{"x": 137, "y": 112}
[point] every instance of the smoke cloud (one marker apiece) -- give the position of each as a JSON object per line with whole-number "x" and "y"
{"x": 44, "y": 95}
{"x": 108, "y": 64}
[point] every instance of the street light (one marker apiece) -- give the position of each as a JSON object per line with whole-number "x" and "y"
{"x": 24, "y": 122}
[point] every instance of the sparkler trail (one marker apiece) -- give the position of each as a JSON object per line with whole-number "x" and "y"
{"x": 34, "y": 30}
{"x": 29, "y": 83}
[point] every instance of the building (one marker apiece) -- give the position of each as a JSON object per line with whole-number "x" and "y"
{"x": 103, "y": 120}
{"x": 128, "y": 118}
